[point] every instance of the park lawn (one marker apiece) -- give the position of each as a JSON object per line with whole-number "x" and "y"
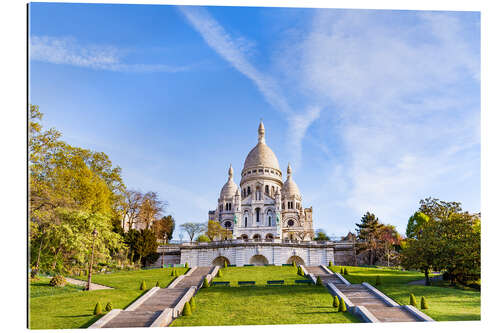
{"x": 41, "y": 287}
{"x": 445, "y": 303}
{"x": 259, "y": 274}
{"x": 261, "y": 305}
{"x": 75, "y": 309}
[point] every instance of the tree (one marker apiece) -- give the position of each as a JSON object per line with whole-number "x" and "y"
{"x": 164, "y": 227}
{"x": 192, "y": 229}
{"x": 203, "y": 239}
{"x": 369, "y": 232}
{"x": 214, "y": 230}
{"x": 441, "y": 236}
{"x": 390, "y": 241}
{"x": 321, "y": 235}
{"x": 131, "y": 206}
{"x": 150, "y": 209}
{"x": 142, "y": 244}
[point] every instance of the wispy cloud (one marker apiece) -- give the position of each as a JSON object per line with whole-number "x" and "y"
{"x": 409, "y": 123}
{"x": 236, "y": 51}
{"x": 67, "y": 51}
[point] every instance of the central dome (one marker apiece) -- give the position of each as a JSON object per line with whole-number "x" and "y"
{"x": 261, "y": 155}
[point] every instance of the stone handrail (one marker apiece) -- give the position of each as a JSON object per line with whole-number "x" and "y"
{"x": 106, "y": 318}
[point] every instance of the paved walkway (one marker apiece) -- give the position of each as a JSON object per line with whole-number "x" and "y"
{"x": 361, "y": 295}
{"x": 93, "y": 286}
{"x": 146, "y": 313}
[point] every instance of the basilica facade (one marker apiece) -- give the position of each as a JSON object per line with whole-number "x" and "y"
{"x": 263, "y": 207}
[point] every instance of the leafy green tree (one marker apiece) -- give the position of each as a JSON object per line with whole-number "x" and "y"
{"x": 321, "y": 235}
{"x": 203, "y": 239}
{"x": 164, "y": 227}
{"x": 214, "y": 230}
{"x": 142, "y": 243}
{"x": 368, "y": 232}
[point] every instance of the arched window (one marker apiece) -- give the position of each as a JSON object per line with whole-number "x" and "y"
{"x": 229, "y": 206}
{"x": 227, "y": 224}
{"x": 248, "y": 190}
{"x": 267, "y": 189}
{"x": 246, "y": 221}
{"x": 290, "y": 223}
{"x": 244, "y": 192}
{"x": 257, "y": 214}
{"x": 269, "y": 218}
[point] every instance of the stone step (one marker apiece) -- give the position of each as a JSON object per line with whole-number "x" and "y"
{"x": 162, "y": 299}
{"x": 133, "y": 319}
{"x": 391, "y": 314}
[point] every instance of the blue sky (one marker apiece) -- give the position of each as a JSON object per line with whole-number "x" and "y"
{"x": 374, "y": 109}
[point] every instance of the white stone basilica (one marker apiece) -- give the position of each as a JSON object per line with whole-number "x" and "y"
{"x": 265, "y": 208}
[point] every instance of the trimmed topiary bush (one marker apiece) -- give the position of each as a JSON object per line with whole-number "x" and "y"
{"x": 187, "y": 310}
{"x": 413, "y": 300}
{"x": 378, "y": 281}
{"x": 330, "y": 263}
{"x": 225, "y": 264}
{"x": 98, "y": 309}
{"x": 294, "y": 264}
{"x": 58, "y": 281}
{"x": 345, "y": 271}
{"x": 342, "y": 270}
{"x": 192, "y": 302}
{"x": 336, "y": 302}
{"x": 205, "y": 283}
{"x": 219, "y": 273}
{"x": 109, "y": 307}
{"x": 172, "y": 273}
{"x": 423, "y": 303}
{"x": 157, "y": 283}
{"x": 318, "y": 281}
{"x": 143, "y": 285}
{"x": 342, "y": 307}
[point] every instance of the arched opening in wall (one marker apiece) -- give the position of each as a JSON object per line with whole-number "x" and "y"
{"x": 244, "y": 237}
{"x": 257, "y": 237}
{"x": 269, "y": 237}
{"x": 298, "y": 260}
{"x": 227, "y": 224}
{"x": 219, "y": 261}
{"x": 259, "y": 260}
{"x": 291, "y": 223}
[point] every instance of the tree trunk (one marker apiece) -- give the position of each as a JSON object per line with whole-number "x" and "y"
{"x": 427, "y": 279}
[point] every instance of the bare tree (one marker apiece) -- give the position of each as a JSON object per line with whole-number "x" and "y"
{"x": 131, "y": 208}
{"x": 150, "y": 209}
{"x": 192, "y": 229}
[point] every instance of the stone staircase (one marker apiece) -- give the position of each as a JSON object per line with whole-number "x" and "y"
{"x": 365, "y": 300}
{"x": 167, "y": 302}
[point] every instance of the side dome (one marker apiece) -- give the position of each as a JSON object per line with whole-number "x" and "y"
{"x": 230, "y": 188}
{"x": 290, "y": 188}
{"x": 261, "y": 155}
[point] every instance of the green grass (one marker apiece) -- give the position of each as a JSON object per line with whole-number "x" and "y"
{"x": 74, "y": 309}
{"x": 259, "y": 274}
{"x": 445, "y": 303}
{"x": 263, "y": 305}
{"x": 41, "y": 287}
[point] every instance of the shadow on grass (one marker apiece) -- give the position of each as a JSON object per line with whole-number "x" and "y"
{"x": 91, "y": 321}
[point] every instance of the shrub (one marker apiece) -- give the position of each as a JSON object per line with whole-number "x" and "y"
{"x": 342, "y": 307}
{"x": 294, "y": 264}
{"x": 342, "y": 270}
{"x": 413, "y": 300}
{"x": 172, "y": 273}
{"x": 143, "y": 285}
{"x": 58, "y": 281}
{"x": 423, "y": 303}
{"x": 378, "y": 281}
{"x": 318, "y": 281}
{"x": 219, "y": 273}
{"x": 345, "y": 271}
{"x": 186, "y": 265}
{"x": 330, "y": 263}
{"x": 109, "y": 307}
{"x": 187, "y": 310}
{"x": 98, "y": 309}
{"x": 192, "y": 302}
{"x": 205, "y": 283}
{"x": 225, "y": 264}
{"x": 336, "y": 302}
{"x": 157, "y": 283}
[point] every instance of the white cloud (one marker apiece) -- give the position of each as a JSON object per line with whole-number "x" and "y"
{"x": 407, "y": 125}
{"x": 67, "y": 51}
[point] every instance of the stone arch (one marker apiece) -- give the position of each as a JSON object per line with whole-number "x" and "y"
{"x": 228, "y": 224}
{"x": 244, "y": 237}
{"x": 219, "y": 261}
{"x": 259, "y": 260}
{"x": 257, "y": 237}
{"x": 269, "y": 237}
{"x": 298, "y": 260}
